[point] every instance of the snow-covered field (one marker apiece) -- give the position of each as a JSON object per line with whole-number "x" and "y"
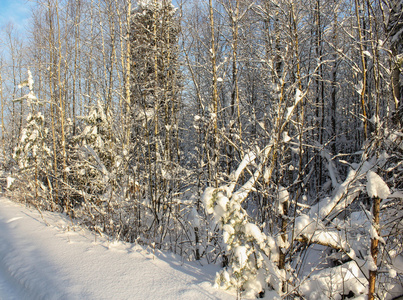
{"x": 50, "y": 258}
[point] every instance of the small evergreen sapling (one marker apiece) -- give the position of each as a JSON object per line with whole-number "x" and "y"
{"x": 252, "y": 255}
{"x": 32, "y": 153}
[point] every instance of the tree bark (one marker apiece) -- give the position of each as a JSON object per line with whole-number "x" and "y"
{"x": 374, "y": 247}
{"x": 2, "y": 117}
{"x": 214, "y": 157}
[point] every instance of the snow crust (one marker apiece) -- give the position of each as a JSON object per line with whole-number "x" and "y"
{"x": 376, "y": 187}
{"x": 62, "y": 261}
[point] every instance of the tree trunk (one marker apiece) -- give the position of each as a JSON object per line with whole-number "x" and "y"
{"x": 374, "y": 248}
{"x": 2, "y": 118}
{"x": 215, "y": 153}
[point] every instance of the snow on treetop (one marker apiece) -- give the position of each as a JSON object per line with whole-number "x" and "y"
{"x": 376, "y": 187}
{"x": 145, "y": 2}
{"x": 149, "y": 4}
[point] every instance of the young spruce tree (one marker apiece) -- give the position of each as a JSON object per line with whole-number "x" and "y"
{"x": 154, "y": 105}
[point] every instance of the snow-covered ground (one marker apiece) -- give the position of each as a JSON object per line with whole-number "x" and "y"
{"x": 49, "y": 258}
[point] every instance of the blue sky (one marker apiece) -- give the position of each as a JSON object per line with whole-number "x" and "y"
{"x": 16, "y": 11}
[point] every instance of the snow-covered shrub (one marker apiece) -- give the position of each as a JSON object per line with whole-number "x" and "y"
{"x": 93, "y": 173}
{"x": 32, "y": 148}
{"x": 252, "y": 256}
{"x": 344, "y": 223}
{"x": 94, "y": 152}
{"x": 387, "y": 147}
{"x": 32, "y": 152}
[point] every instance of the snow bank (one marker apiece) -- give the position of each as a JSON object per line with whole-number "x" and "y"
{"x": 63, "y": 261}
